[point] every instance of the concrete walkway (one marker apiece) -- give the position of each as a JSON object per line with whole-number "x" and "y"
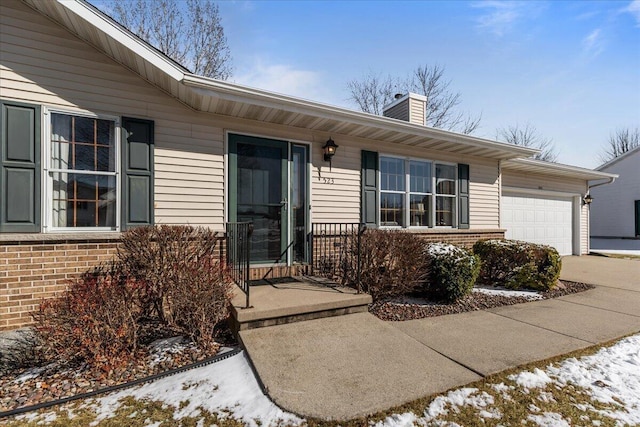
{"x": 349, "y": 366}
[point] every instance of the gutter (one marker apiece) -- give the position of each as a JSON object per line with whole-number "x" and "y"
{"x": 610, "y": 181}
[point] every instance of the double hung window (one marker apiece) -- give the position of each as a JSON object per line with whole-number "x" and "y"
{"x": 82, "y": 172}
{"x": 409, "y": 190}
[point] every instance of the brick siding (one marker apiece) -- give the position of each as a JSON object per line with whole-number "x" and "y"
{"x": 33, "y": 270}
{"x": 461, "y": 238}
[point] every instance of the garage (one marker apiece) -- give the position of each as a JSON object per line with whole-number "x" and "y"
{"x": 542, "y": 219}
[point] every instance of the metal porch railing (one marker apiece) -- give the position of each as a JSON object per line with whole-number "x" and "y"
{"x": 239, "y": 254}
{"x": 336, "y": 252}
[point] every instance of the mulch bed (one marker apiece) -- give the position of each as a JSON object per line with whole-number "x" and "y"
{"x": 388, "y": 310}
{"x": 53, "y": 382}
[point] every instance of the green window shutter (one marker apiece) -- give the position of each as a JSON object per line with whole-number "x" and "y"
{"x": 369, "y": 177}
{"x": 463, "y": 195}
{"x": 137, "y": 173}
{"x": 20, "y": 169}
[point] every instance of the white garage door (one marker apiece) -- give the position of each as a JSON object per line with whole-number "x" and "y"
{"x": 539, "y": 219}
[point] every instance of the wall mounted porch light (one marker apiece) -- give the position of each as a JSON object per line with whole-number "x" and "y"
{"x": 587, "y": 199}
{"x": 329, "y": 148}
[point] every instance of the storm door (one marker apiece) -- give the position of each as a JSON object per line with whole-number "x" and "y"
{"x": 268, "y": 187}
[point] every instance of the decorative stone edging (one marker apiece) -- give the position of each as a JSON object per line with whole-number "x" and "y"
{"x": 217, "y": 358}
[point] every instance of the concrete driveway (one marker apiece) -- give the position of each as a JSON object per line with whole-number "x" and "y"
{"x": 348, "y": 366}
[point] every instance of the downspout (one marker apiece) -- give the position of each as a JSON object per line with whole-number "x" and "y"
{"x": 589, "y": 187}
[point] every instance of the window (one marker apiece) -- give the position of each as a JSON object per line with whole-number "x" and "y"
{"x": 445, "y": 195}
{"x": 83, "y": 172}
{"x": 419, "y": 193}
{"x": 392, "y": 192}
{"x": 409, "y": 189}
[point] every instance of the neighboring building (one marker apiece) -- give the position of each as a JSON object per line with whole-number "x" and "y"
{"x": 101, "y": 132}
{"x": 615, "y": 211}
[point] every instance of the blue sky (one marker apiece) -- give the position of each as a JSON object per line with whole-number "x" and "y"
{"x": 569, "y": 68}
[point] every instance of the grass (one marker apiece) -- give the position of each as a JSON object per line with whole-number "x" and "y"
{"x": 511, "y": 401}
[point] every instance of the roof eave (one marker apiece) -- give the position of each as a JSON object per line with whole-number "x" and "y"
{"x": 239, "y": 93}
{"x": 112, "y": 29}
{"x": 558, "y": 169}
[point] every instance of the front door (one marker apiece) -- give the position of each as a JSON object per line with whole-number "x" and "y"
{"x": 268, "y": 187}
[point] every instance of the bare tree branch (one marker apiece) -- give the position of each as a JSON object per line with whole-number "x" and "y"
{"x": 372, "y": 92}
{"x": 528, "y": 136}
{"x": 192, "y": 36}
{"x": 623, "y": 140}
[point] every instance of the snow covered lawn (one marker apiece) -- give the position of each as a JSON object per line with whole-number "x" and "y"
{"x": 602, "y": 389}
{"x": 597, "y": 390}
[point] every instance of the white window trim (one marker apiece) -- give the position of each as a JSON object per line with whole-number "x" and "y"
{"x": 454, "y": 196}
{"x": 47, "y": 203}
{"x": 407, "y": 193}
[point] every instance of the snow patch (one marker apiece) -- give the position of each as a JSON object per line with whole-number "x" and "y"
{"x": 528, "y": 380}
{"x": 610, "y": 376}
{"x": 549, "y": 419}
{"x": 531, "y": 295}
{"x": 228, "y": 385}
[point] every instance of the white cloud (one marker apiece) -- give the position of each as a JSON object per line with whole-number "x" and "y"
{"x": 634, "y": 9}
{"x": 592, "y": 44}
{"x": 280, "y": 78}
{"x": 500, "y": 16}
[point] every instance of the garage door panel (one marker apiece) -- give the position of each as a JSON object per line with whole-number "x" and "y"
{"x": 539, "y": 219}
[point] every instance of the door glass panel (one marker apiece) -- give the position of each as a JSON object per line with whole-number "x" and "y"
{"x": 299, "y": 201}
{"x": 259, "y": 197}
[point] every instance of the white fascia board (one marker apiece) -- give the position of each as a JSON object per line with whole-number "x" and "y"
{"x": 97, "y": 19}
{"x": 234, "y": 92}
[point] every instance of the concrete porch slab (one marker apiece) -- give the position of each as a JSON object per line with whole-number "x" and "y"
{"x": 576, "y": 320}
{"x": 298, "y": 299}
{"x": 348, "y": 366}
{"x": 486, "y": 342}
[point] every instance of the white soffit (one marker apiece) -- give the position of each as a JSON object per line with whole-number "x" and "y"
{"x": 557, "y": 169}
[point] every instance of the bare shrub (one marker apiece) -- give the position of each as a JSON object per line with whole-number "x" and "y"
{"x": 200, "y": 299}
{"x": 165, "y": 276}
{"x": 391, "y": 263}
{"x": 94, "y": 321}
{"x": 159, "y": 256}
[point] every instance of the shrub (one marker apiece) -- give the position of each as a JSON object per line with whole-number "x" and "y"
{"x": 166, "y": 276}
{"x": 162, "y": 256}
{"x": 515, "y": 264}
{"x": 94, "y": 321}
{"x": 453, "y": 271}
{"x": 200, "y": 300}
{"x": 392, "y": 263}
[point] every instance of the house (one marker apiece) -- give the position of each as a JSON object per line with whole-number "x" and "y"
{"x": 615, "y": 211}
{"x": 101, "y": 132}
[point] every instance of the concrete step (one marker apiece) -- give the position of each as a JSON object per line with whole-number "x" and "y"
{"x": 295, "y": 300}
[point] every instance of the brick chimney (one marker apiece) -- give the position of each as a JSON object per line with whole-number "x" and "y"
{"x": 410, "y": 108}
